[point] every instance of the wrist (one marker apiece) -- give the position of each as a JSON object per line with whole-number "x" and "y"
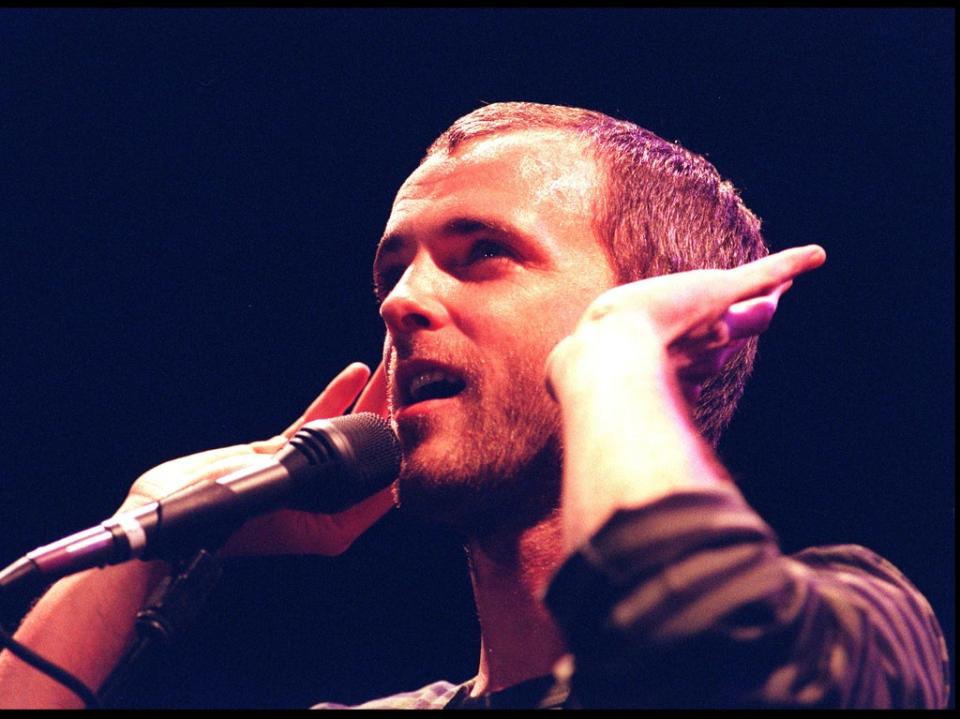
{"x": 628, "y": 433}
{"x": 83, "y": 624}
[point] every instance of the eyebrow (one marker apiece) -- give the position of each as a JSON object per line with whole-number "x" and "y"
{"x": 456, "y": 226}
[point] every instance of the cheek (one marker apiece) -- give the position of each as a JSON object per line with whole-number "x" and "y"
{"x": 557, "y": 314}
{"x": 526, "y": 321}
{"x": 529, "y": 336}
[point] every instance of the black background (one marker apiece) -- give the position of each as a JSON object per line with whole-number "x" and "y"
{"x": 189, "y": 201}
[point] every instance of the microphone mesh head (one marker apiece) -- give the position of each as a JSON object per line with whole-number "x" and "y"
{"x": 340, "y": 461}
{"x": 375, "y": 449}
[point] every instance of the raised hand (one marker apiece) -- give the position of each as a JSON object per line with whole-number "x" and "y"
{"x": 627, "y": 374}
{"x": 698, "y": 319}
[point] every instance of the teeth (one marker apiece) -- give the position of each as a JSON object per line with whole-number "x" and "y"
{"x": 425, "y": 378}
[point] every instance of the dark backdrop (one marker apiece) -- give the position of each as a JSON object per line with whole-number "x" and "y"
{"x": 189, "y": 201}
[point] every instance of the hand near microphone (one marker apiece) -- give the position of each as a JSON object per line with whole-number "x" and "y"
{"x": 284, "y": 531}
{"x": 291, "y": 531}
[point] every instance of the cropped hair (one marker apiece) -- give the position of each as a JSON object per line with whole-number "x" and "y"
{"x": 660, "y": 209}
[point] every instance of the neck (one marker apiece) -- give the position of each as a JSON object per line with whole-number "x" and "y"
{"x": 519, "y": 639}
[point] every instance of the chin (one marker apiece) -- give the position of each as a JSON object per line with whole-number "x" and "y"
{"x": 482, "y": 463}
{"x": 476, "y": 492}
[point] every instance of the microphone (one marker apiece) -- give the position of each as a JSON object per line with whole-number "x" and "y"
{"x": 328, "y": 466}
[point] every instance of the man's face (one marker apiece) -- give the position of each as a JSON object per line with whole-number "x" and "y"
{"x": 488, "y": 260}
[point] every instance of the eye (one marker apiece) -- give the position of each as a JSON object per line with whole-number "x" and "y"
{"x": 486, "y": 250}
{"x": 385, "y": 279}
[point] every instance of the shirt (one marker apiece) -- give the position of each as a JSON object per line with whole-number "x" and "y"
{"x": 688, "y": 602}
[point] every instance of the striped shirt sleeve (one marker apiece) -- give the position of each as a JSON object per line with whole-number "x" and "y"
{"x": 688, "y": 602}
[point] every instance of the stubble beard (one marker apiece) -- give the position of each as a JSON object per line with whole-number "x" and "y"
{"x": 492, "y": 465}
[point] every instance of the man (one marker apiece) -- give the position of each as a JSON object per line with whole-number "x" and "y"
{"x": 571, "y": 306}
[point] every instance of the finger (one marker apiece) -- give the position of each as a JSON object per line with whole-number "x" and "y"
{"x": 229, "y": 465}
{"x": 730, "y": 350}
{"x": 753, "y": 316}
{"x": 157, "y": 484}
{"x": 269, "y": 446}
{"x": 374, "y": 395}
{"x": 708, "y": 362}
{"x": 763, "y": 276}
{"x": 335, "y": 399}
{"x": 196, "y": 462}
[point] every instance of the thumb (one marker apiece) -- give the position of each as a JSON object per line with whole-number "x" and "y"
{"x": 335, "y": 398}
{"x": 374, "y": 396}
{"x": 331, "y": 402}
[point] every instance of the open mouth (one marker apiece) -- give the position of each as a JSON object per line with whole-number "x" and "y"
{"x": 434, "y": 383}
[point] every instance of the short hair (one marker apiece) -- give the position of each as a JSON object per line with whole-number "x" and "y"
{"x": 661, "y": 209}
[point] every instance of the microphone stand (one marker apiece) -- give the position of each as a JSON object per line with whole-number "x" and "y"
{"x": 168, "y": 611}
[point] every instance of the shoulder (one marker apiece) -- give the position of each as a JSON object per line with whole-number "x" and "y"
{"x": 874, "y": 597}
{"x": 851, "y": 562}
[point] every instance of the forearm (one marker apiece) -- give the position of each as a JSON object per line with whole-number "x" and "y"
{"x": 83, "y": 624}
{"x": 628, "y": 435}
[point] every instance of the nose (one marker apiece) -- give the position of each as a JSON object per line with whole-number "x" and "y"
{"x": 416, "y": 302}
